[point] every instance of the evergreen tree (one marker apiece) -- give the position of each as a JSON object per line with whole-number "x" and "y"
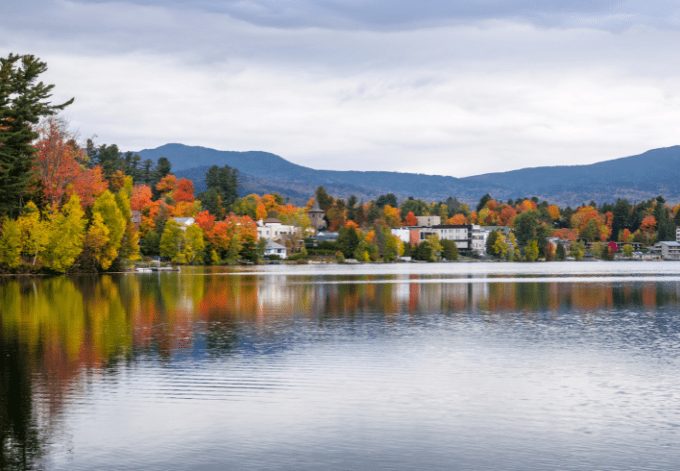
{"x": 224, "y": 180}
{"x": 384, "y": 200}
{"x": 664, "y": 223}
{"x": 348, "y": 241}
{"x": 23, "y": 101}
{"x": 323, "y": 198}
{"x": 560, "y": 253}
{"x": 482, "y": 202}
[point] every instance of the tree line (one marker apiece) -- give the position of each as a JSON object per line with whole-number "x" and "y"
{"x": 66, "y": 207}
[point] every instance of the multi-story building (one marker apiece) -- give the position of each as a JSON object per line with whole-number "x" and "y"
{"x": 273, "y": 229}
{"x": 469, "y": 238}
{"x": 669, "y": 250}
{"x": 677, "y": 234}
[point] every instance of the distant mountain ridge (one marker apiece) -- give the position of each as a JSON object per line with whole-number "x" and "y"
{"x": 636, "y": 177}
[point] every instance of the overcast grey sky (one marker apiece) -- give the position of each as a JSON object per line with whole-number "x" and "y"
{"x": 431, "y": 86}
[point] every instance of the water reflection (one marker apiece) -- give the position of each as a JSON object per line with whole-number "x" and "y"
{"x": 57, "y": 334}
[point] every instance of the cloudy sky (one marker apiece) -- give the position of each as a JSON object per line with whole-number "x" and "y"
{"x": 431, "y": 86}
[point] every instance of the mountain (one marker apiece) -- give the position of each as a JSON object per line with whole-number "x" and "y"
{"x": 637, "y": 177}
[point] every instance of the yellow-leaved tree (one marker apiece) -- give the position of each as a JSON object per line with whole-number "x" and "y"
{"x": 34, "y": 232}
{"x": 65, "y": 235}
{"x": 10, "y": 243}
{"x": 107, "y": 208}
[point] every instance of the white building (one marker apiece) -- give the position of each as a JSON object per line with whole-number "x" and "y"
{"x": 273, "y": 229}
{"x": 669, "y": 250}
{"x": 272, "y": 248}
{"x": 469, "y": 238}
{"x": 677, "y": 234}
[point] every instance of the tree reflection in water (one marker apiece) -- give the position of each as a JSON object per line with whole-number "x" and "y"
{"x": 56, "y": 332}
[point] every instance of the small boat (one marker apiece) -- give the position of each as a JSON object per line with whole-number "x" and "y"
{"x": 143, "y": 270}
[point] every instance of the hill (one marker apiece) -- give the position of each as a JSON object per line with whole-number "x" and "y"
{"x": 637, "y": 177}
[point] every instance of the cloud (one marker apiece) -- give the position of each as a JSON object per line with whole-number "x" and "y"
{"x": 353, "y": 85}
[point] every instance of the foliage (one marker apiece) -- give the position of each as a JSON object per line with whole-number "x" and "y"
{"x": 113, "y": 218}
{"x": 10, "y": 244}
{"x": 66, "y": 233}
{"x": 24, "y": 100}
{"x": 449, "y": 250}
{"x": 531, "y": 251}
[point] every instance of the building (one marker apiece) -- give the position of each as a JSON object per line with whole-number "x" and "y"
{"x": 428, "y": 221}
{"x": 469, "y": 238}
{"x": 274, "y": 249}
{"x": 677, "y": 234}
{"x": 316, "y": 216}
{"x": 668, "y": 250}
{"x": 274, "y": 229}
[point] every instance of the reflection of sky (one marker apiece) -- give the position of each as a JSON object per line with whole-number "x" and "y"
{"x": 391, "y": 366}
{"x": 418, "y": 396}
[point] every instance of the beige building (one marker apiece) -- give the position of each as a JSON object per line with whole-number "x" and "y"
{"x": 273, "y": 229}
{"x": 428, "y": 221}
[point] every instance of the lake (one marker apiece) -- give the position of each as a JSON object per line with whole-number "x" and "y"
{"x": 479, "y": 366}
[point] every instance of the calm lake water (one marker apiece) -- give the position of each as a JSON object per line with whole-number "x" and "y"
{"x": 571, "y": 366}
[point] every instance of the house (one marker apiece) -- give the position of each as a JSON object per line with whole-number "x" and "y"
{"x": 677, "y": 234}
{"x": 184, "y": 223}
{"x": 274, "y": 229}
{"x": 428, "y": 221}
{"x": 668, "y": 250}
{"x": 274, "y": 249}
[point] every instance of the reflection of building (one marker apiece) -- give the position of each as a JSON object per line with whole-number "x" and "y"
{"x": 669, "y": 250}
{"x": 316, "y": 216}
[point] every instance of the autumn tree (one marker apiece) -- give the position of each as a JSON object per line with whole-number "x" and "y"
{"x": 410, "y": 219}
{"x": 97, "y": 241}
{"x": 194, "y": 244}
{"x": 112, "y": 217}
{"x": 58, "y": 159}
{"x": 24, "y": 100}
{"x": 172, "y": 241}
{"x": 60, "y": 166}
{"x": 391, "y": 216}
{"x": 10, "y": 243}
{"x": 66, "y": 233}
{"x": 34, "y": 232}
{"x": 531, "y": 251}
